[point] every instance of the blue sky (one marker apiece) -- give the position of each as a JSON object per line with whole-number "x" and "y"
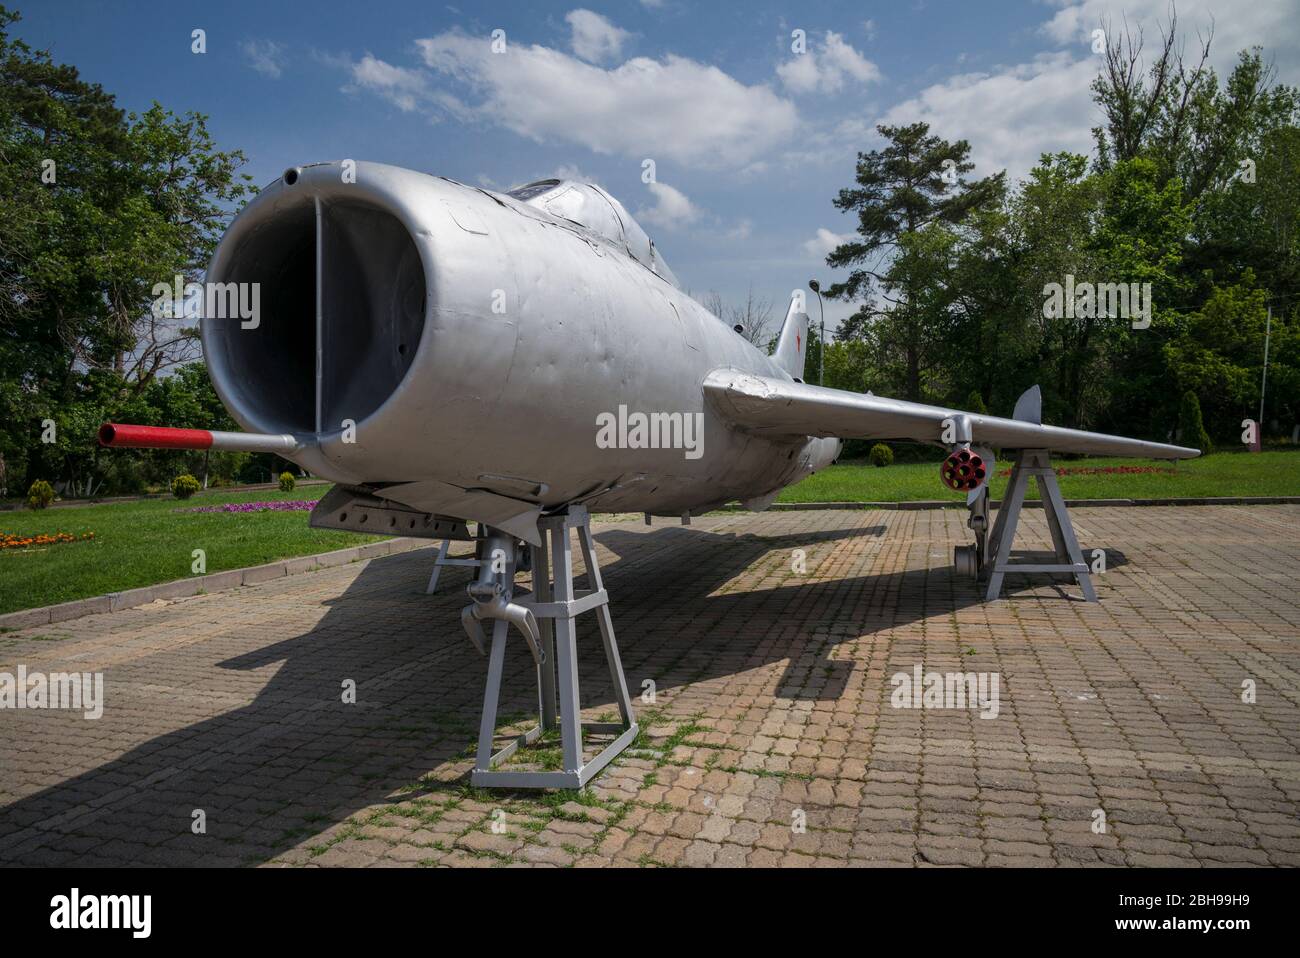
{"x": 750, "y": 140}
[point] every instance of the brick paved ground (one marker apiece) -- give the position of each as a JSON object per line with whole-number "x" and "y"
{"x": 773, "y": 704}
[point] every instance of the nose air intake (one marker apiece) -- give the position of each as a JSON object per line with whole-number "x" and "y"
{"x": 342, "y": 307}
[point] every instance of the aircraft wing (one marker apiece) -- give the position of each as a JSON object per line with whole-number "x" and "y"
{"x": 776, "y": 407}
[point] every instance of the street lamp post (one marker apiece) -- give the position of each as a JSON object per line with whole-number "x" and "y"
{"x": 816, "y": 287}
{"x": 1263, "y": 382}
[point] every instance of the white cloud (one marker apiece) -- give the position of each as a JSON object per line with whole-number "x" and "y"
{"x": 404, "y": 88}
{"x": 594, "y": 38}
{"x": 565, "y": 171}
{"x": 264, "y": 56}
{"x": 1236, "y": 25}
{"x": 675, "y": 108}
{"x": 828, "y": 69}
{"x": 672, "y": 209}
{"x": 1011, "y": 115}
{"x": 824, "y": 242}
{"x": 743, "y": 230}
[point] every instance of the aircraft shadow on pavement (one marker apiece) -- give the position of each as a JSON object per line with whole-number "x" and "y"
{"x": 297, "y": 760}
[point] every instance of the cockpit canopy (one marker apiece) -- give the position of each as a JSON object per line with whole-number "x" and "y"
{"x": 591, "y": 207}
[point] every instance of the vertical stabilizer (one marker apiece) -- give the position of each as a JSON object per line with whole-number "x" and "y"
{"x": 792, "y": 346}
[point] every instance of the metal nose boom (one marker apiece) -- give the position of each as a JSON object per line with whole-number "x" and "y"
{"x": 125, "y": 436}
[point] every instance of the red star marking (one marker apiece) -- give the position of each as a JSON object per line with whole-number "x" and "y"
{"x": 798, "y": 343}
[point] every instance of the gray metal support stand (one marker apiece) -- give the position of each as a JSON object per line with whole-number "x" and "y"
{"x": 441, "y": 561}
{"x": 1037, "y": 464}
{"x": 555, "y": 605}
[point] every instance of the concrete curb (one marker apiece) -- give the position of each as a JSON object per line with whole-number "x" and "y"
{"x": 233, "y": 578}
{"x": 1033, "y": 503}
{"x": 213, "y": 582}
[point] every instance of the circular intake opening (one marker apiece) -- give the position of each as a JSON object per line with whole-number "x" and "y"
{"x": 322, "y": 312}
{"x": 291, "y": 176}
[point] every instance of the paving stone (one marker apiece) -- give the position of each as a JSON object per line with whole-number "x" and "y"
{"x": 230, "y": 702}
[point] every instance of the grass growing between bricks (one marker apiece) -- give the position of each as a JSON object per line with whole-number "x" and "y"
{"x": 148, "y": 542}
{"x": 465, "y": 824}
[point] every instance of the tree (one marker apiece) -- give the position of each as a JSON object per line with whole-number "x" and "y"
{"x": 754, "y": 316}
{"x": 1191, "y": 430}
{"x": 1175, "y": 113}
{"x": 96, "y": 207}
{"x": 1218, "y": 356}
{"x": 909, "y": 199}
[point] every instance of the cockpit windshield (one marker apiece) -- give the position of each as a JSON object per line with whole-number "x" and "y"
{"x": 591, "y": 207}
{"x": 526, "y": 193}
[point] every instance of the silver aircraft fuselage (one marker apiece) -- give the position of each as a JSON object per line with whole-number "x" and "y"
{"x": 446, "y": 342}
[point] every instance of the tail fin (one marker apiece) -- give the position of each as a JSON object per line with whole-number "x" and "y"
{"x": 792, "y": 346}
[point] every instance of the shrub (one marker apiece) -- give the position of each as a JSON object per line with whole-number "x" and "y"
{"x": 184, "y": 486}
{"x": 40, "y": 495}
{"x": 881, "y": 455}
{"x": 286, "y": 482}
{"x": 975, "y": 403}
{"x": 1191, "y": 428}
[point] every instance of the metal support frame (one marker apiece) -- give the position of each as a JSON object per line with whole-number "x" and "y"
{"x": 555, "y": 605}
{"x": 997, "y": 563}
{"x": 441, "y": 561}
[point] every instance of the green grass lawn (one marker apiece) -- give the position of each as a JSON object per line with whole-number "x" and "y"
{"x": 1220, "y": 474}
{"x": 144, "y": 543}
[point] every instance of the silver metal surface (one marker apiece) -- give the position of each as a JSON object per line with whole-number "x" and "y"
{"x": 1036, "y": 464}
{"x": 442, "y": 561}
{"x": 282, "y": 445}
{"x": 446, "y": 353}
{"x": 452, "y": 348}
{"x": 357, "y": 511}
{"x": 556, "y": 605}
{"x": 773, "y": 407}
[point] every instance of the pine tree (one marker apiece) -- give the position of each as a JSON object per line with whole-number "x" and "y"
{"x": 909, "y": 198}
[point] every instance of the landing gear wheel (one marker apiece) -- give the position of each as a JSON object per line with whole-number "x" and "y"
{"x": 965, "y": 560}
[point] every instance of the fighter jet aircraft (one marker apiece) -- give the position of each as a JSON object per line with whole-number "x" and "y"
{"x": 460, "y": 352}
{"x": 446, "y": 353}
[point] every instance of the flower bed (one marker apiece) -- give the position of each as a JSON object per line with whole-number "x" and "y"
{"x": 296, "y": 505}
{"x": 10, "y": 541}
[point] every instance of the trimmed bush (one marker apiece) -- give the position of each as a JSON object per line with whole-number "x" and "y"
{"x": 881, "y": 455}
{"x": 1191, "y": 427}
{"x": 286, "y": 482}
{"x": 185, "y": 486}
{"x": 40, "y": 495}
{"x": 975, "y": 403}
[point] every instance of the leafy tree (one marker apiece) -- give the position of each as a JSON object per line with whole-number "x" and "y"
{"x": 851, "y": 365}
{"x": 1218, "y": 357}
{"x": 96, "y": 207}
{"x": 909, "y": 198}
